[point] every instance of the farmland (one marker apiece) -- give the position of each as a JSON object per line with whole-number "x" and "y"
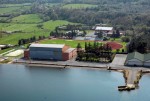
{"x": 78, "y": 6}
{"x": 24, "y": 26}
{"x": 52, "y": 24}
{"x": 28, "y": 30}
{"x": 14, "y": 9}
{"x": 29, "y": 18}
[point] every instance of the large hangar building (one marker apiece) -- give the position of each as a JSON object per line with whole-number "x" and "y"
{"x": 50, "y": 52}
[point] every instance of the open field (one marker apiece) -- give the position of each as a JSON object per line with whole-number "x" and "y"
{"x": 78, "y": 6}
{"x": 72, "y": 43}
{"x": 20, "y": 27}
{"x": 28, "y": 30}
{"x": 15, "y": 9}
{"x": 8, "y": 10}
{"x": 29, "y": 18}
{"x": 52, "y": 24}
{"x": 16, "y": 5}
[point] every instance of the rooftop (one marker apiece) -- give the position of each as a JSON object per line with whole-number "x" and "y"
{"x": 48, "y": 45}
{"x": 103, "y": 28}
{"x": 139, "y": 56}
{"x": 1, "y": 46}
{"x": 69, "y": 50}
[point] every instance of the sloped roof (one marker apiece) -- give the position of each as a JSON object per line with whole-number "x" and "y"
{"x": 69, "y": 50}
{"x": 103, "y": 28}
{"x": 135, "y": 55}
{"x": 147, "y": 57}
{"x": 48, "y": 45}
{"x": 139, "y": 56}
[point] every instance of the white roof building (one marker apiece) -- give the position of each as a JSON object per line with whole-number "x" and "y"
{"x": 104, "y": 28}
{"x": 48, "y": 45}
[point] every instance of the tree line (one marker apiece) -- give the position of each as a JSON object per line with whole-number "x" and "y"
{"x": 29, "y": 40}
{"x": 96, "y": 52}
{"x": 140, "y": 43}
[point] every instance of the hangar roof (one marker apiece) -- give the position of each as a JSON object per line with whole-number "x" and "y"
{"x": 104, "y": 28}
{"x": 48, "y": 45}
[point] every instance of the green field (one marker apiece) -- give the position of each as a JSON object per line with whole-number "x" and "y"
{"x": 8, "y": 10}
{"x": 29, "y": 18}
{"x": 72, "y": 43}
{"x": 17, "y": 5}
{"x": 20, "y": 27}
{"x": 15, "y": 9}
{"x": 78, "y": 6}
{"x": 28, "y": 30}
{"x": 52, "y": 24}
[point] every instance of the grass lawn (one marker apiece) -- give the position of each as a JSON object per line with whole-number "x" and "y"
{"x": 28, "y": 29}
{"x": 15, "y": 9}
{"x": 8, "y": 10}
{"x": 52, "y": 24}
{"x": 29, "y": 18}
{"x": 20, "y": 27}
{"x": 72, "y": 43}
{"x": 78, "y": 6}
{"x": 5, "y": 50}
{"x": 13, "y": 38}
{"x": 16, "y": 5}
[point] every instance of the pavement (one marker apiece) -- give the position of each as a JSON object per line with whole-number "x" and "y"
{"x": 119, "y": 60}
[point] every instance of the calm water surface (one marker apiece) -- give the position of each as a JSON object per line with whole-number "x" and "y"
{"x": 21, "y": 83}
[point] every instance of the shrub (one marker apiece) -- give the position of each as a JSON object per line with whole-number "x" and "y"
{"x": 125, "y": 39}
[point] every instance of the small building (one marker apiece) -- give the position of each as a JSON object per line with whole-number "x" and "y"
{"x": 3, "y": 47}
{"x": 26, "y": 54}
{"x": 138, "y": 59}
{"x": 50, "y": 52}
{"x": 69, "y": 54}
{"x": 147, "y": 60}
{"x": 107, "y": 31}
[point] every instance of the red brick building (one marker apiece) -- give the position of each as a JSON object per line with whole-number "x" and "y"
{"x": 26, "y": 54}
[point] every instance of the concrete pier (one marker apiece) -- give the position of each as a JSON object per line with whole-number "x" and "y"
{"x": 132, "y": 78}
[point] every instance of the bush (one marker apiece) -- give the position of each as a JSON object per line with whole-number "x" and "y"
{"x": 105, "y": 39}
{"x": 125, "y": 39}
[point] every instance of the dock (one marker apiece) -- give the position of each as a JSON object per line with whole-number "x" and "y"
{"x": 132, "y": 78}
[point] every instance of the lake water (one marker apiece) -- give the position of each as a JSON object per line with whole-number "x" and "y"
{"x": 21, "y": 83}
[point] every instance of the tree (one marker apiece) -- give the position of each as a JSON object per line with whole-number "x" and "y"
{"x": 100, "y": 34}
{"x": 79, "y": 47}
{"x": 84, "y": 33}
{"x": 19, "y": 42}
{"x": 86, "y": 47}
{"x": 117, "y": 33}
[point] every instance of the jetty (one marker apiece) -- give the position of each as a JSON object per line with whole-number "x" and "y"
{"x": 132, "y": 78}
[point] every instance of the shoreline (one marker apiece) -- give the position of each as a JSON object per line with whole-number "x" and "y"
{"x": 131, "y": 75}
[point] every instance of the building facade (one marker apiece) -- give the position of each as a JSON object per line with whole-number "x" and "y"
{"x": 138, "y": 59}
{"x": 107, "y": 31}
{"x": 49, "y": 52}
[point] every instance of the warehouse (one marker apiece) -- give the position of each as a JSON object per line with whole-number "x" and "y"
{"x": 107, "y": 31}
{"x": 138, "y": 59}
{"x": 50, "y": 52}
{"x": 147, "y": 60}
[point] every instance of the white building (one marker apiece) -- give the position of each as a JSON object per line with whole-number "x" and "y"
{"x": 107, "y": 31}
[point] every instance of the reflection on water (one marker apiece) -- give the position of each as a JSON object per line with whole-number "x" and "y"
{"x": 21, "y": 83}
